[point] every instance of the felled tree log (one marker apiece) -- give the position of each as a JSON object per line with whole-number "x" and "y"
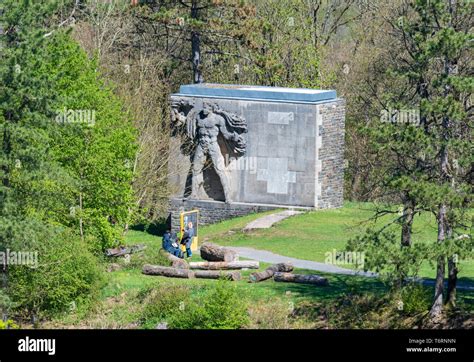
{"x": 223, "y": 265}
{"x": 174, "y": 260}
{"x": 300, "y": 278}
{"x": 213, "y": 252}
{"x": 215, "y": 274}
{"x": 188, "y": 274}
{"x": 122, "y": 250}
{"x": 269, "y": 272}
{"x": 167, "y": 271}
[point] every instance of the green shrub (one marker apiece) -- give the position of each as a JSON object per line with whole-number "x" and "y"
{"x": 6, "y": 304}
{"x": 9, "y": 324}
{"x": 270, "y": 314}
{"x": 191, "y": 315}
{"x": 415, "y": 298}
{"x": 162, "y": 303}
{"x": 217, "y": 307}
{"x": 224, "y": 307}
{"x": 67, "y": 274}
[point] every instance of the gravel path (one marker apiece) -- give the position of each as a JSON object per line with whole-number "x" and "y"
{"x": 269, "y": 257}
{"x": 272, "y": 258}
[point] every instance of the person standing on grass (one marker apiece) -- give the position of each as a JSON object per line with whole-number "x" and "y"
{"x": 188, "y": 238}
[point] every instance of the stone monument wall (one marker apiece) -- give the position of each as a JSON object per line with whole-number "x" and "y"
{"x": 294, "y": 152}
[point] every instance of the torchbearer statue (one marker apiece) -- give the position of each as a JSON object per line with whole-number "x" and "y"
{"x": 203, "y": 126}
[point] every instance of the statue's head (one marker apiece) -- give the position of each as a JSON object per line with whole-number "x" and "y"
{"x": 206, "y": 109}
{"x": 205, "y": 112}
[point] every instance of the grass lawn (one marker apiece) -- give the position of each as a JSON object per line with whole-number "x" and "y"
{"x": 129, "y": 279}
{"x": 311, "y": 235}
{"x": 118, "y": 307}
{"x": 308, "y": 236}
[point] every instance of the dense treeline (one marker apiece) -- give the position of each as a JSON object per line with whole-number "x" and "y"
{"x": 67, "y": 146}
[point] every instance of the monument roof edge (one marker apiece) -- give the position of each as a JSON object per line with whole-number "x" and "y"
{"x": 257, "y": 93}
{"x": 337, "y": 99}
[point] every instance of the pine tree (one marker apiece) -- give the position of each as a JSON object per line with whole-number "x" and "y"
{"x": 30, "y": 179}
{"x": 429, "y": 162}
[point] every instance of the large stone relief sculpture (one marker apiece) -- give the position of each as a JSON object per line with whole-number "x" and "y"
{"x": 202, "y": 125}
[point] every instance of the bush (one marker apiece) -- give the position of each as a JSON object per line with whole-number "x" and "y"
{"x": 224, "y": 308}
{"x": 6, "y": 304}
{"x": 67, "y": 274}
{"x": 217, "y": 307}
{"x": 162, "y": 303}
{"x": 270, "y": 314}
{"x": 416, "y": 299}
{"x": 9, "y": 324}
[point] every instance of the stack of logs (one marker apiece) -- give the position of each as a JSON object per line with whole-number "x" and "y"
{"x": 282, "y": 272}
{"x": 218, "y": 259}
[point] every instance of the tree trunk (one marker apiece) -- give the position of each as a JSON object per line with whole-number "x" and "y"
{"x": 437, "y": 307}
{"x": 452, "y": 274}
{"x": 167, "y": 271}
{"x": 407, "y": 222}
{"x": 300, "y": 278}
{"x": 405, "y": 242}
{"x": 443, "y": 224}
{"x": 452, "y": 281}
{"x": 175, "y": 261}
{"x": 215, "y": 274}
{"x": 189, "y": 274}
{"x": 212, "y": 252}
{"x": 223, "y": 265}
{"x": 196, "y": 46}
{"x": 269, "y": 272}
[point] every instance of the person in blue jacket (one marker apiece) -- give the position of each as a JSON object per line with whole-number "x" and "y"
{"x": 168, "y": 242}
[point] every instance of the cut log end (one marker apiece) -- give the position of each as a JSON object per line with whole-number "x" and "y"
{"x": 175, "y": 262}
{"x": 213, "y": 252}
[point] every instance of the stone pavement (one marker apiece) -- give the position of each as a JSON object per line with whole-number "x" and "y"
{"x": 267, "y": 221}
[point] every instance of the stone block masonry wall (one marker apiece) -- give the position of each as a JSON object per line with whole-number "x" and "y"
{"x": 331, "y": 154}
{"x": 210, "y": 212}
